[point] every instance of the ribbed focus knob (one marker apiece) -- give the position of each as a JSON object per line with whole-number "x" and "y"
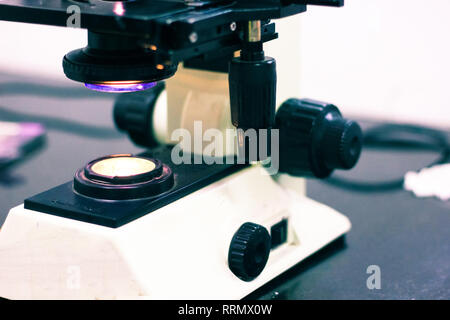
{"x": 249, "y": 251}
{"x": 252, "y": 85}
{"x": 315, "y": 139}
{"x": 133, "y": 113}
{"x": 252, "y": 93}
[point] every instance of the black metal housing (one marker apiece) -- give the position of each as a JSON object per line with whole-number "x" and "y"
{"x": 180, "y": 30}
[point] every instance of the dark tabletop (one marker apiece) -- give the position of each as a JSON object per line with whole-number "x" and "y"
{"x": 408, "y": 238}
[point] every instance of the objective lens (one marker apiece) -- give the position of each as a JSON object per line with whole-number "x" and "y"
{"x": 122, "y": 86}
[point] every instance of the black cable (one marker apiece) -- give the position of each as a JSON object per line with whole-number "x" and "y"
{"x": 389, "y": 136}
{"x": 25, "y": 88}
{"x": 29, "y": 88}
{"x": 61, "y": 124}
{"x": 386, "y": 136}
{"x": 55, "y": 123}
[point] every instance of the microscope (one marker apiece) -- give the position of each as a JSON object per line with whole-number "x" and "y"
{"x": 216, "y": 206}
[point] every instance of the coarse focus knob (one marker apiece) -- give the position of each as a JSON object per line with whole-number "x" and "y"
{"x": 133, "y": 113}
{"x": 315, "y": 139}
{"x": 249, "y": 251}
{"x": 252, "y": 93}
{"x": 252, "y": 82}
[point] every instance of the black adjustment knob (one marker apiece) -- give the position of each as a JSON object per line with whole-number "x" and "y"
{"x": 249, "y": 251}
{"x": 133, "y": 113}
{"x": 315, "y": 139}
{"x": 252, "y": 83}
{"x": 253, "y": 93}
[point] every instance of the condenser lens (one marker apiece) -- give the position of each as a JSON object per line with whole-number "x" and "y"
{"x": 123, "y": 177}
{"x": 123, "y": 166}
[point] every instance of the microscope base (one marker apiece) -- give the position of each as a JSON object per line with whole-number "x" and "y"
{"x": 176, "y": 252}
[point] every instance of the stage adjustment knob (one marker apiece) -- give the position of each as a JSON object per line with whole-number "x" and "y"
{"x": 315, "y": 139}
{"x": 133, "y": 113}
{"x": 249, "y": 251}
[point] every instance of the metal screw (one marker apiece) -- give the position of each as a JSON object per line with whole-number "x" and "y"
{"x": 193, "y": 37}
{"x": 233, "y": 26}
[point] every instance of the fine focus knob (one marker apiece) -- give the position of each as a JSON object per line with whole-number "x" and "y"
{"x": 315, "y": 139}
{"x": 133, "y": 113}
{"x": 249, "y": 251}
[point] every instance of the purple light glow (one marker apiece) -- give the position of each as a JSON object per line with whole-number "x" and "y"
{"x": 120, "y": 87}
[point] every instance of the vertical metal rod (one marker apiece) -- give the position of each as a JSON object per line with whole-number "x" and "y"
{"x": 253, "y": 31}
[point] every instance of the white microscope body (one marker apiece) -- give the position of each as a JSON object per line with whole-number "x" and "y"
{"x": 179, "y": 251}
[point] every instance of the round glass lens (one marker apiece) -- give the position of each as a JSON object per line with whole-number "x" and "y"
{"x": 123, "y": 166}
